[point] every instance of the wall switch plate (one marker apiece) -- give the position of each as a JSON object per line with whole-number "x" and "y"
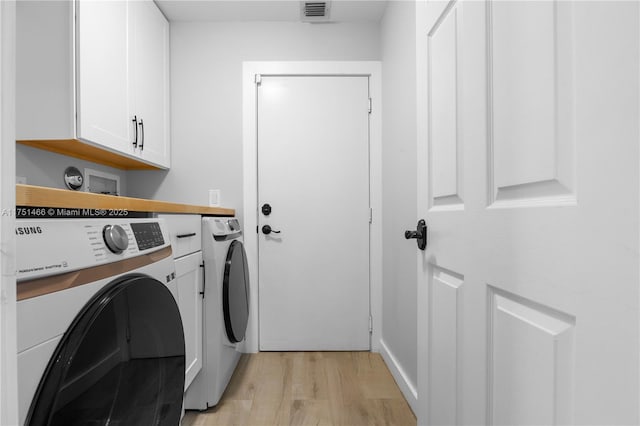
{"x": 21, "y": 180}
{"x": 214, "y": 198}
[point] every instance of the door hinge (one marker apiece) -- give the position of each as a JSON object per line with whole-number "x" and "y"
{"x": 370, "y": 324}
{"x": 370, "y": 105}
{"x": 370, "y": 215}
{"x": 258, "y": 79}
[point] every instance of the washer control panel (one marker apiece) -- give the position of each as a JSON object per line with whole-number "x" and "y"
{"x": 54, "y": 246}
{"x": 148, "y": 235}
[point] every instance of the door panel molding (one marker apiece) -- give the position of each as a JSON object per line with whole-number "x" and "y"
{"x": 446, "y": 328}
{"x": 530, "y": 348}
{"x": 531, "y": 142}
{"x": 444, "y": 91}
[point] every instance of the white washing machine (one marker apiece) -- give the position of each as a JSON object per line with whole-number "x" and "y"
{"x": 226, "y": 310}
{"x": 100, "y": 337}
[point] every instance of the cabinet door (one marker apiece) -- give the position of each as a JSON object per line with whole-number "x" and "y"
{"x": 151, "y": 81}
{"x": 189, "y": 278}
{"x": 185, "y": 231}
{"x": 105, "y": 106}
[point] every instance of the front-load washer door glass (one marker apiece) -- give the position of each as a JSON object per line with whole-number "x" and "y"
{"x": 235, "y": 292}
{"x": 121, "y": 362}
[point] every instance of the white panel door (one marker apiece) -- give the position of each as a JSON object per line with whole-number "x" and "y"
{"x": 528, "y": 163}
{"x": 313, "y": 170}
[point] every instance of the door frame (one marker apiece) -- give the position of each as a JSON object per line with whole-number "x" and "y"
{"x": 422, "y": 155}
{"x": 370, "y": 69}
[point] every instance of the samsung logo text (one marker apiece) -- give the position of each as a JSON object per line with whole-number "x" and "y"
{"x": 27, "y": 230}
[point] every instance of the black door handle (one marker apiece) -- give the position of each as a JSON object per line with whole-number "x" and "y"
{"x": 420, "y": 234}
{"x": 191, "y": 234}
{"x": 204, "y": 281}
{"x": 141, "y": 135}
{"x": 135, "y": 126}
{"x": 266, "y": 230}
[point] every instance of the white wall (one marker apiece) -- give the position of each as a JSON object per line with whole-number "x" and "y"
{"x": 206, "y": 97}
{"x": 399, "y": 307}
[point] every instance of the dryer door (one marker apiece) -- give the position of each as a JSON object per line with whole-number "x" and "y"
{"x": 235, "y": 292}
{"x": 120, "y": 362}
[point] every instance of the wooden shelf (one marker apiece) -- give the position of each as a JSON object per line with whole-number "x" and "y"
{"x": 84, "y": 151}
{"x": 39, "y": 196}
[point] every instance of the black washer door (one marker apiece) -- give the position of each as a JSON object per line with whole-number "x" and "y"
{"x": 235, "y": 292}
{"x": 121, "y": 362}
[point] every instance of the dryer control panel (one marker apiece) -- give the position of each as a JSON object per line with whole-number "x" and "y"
{"x": 47, "y": 247}
{"x": 225, "y": 228}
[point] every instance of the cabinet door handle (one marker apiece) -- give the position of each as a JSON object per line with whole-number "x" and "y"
{"x": 135, "y": 126}
{"x": 141, "y": 135}
{"x": 186, "y": 235}
{"x": 204, "y": 281}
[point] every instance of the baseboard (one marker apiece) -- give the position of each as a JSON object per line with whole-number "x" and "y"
{"x": 406, "y": 386}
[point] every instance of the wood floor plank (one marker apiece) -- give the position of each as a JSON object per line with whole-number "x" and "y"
{"x": 310, "y": 412}
{"x": 343, "y": 383}
{"x": 226, "y": 413}
{"x": 273, "y": 381}
{"x": 309, "y": 377}
{"x": 265, "y": 412}
{"x": 309, "y": 388}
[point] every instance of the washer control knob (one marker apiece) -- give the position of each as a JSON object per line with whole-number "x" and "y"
{"x": 115, "y": 238}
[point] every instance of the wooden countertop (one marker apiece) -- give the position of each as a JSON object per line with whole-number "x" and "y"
{"x": 40, "y": 196}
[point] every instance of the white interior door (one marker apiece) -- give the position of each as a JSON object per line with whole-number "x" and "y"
{"x": 528, "y": 293}
{"x": 313, "y": 170}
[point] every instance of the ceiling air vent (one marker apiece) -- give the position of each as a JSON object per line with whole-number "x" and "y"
{"x": 314, "y": 11}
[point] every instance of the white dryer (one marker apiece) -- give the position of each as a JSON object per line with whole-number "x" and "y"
{"x": 100, "y": 337}
{"x": 226, "y": 310}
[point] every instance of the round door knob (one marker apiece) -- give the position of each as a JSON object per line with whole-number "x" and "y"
{"x": 115, "y": 238}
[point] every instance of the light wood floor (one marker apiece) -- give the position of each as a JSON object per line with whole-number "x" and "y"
{"x": 309, "y": 388}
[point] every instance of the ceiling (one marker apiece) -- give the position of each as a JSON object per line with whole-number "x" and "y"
{"x": 267, "y": 10}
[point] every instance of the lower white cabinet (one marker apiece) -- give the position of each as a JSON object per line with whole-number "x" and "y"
{"x": 186, "y": 244}
{"x": 190, "y": 280}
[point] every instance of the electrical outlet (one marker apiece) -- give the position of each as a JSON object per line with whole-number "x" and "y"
{"x": 214, "y": 198}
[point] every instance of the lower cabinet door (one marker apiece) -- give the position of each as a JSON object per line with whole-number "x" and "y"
{"x": 189, "y": 278}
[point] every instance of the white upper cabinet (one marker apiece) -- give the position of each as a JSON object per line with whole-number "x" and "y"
{"x": 45, "y": 85}
{"x": 151, "y": 81}
{"x": 104, "y": 79}
{"x": 105, "y": 84}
